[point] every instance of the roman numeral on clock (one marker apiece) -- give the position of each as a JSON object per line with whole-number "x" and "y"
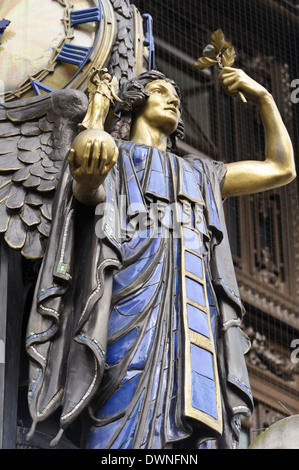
{"x": 37, "y": 86}
{"x": 85, "y": 16}
{"x": 76, "y": 55}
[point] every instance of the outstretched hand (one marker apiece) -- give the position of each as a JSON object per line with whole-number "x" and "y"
{"x": 236, "y": 80}
{"x": 91, "y": 157}
{"x": 91, "y": 169}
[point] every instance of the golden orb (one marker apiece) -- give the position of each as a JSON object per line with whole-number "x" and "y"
{"x": 91, "y": 136}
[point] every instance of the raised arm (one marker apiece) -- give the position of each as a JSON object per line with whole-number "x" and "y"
{"x": 278, "y": 168}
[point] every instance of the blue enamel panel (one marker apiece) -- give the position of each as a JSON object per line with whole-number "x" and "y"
{"x": 191, "y": 240}
{"x": 126, "y": 310}
{"x": 129, "y": 375}
{"x": 189, "y": 185}
{"x": 197, "y": 321}
{"x": 126, "y": 276}
{"x": 157, "y": 444}
{"x": 157, "y": 184}
{"x": 200, "y": 225}
{"x": 153, "y": 319}
{"x": 209, "y": 294}
{"x": 168, "y": 217}
{"x": 125, "y": 437}
{"x": 204, "y": 394}
{"x": 135, "y": 244}
{"x": 135, "y": 198}
{"x": 117, "y": 350}
{"x": 156, "y": 161}
{"x": 174, "y": 165}
{"x": 202, "y": 361}
{"x": 197, "y": 176}
{"x": 175, "y": 342}
{"x": 198, "y": 164}
{"x": 195, "y": 291}
{"x": 139, "y": 160}
{"x": 139, "y": 157}
{"x": 98, "y": 437}
{"x": 173, "y": 432}
{"x": 134, "y": 194}
{"x": 156, "y": 382}
{"x": 136, "y": 303}
{"x": 182, "y": 216}
{"x": 158, "y": 181}
{"x": 117, "y": 321}
{"x": 120, "y": 399}
{"x": 175, "y": 313}
{"x": 214, "y": 213}
{"x": 127, "y": 444}
{"x": 213, "y": 316}
{"x": 175, "y": 379}
{"x": 193, "y": 264}
{"x": 148, "y": 423}
{"x": 139, "y": 359}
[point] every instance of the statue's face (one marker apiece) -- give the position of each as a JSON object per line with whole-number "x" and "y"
{"x": 162, "y": 108}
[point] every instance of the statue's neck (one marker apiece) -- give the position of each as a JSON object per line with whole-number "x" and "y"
{"x": 143, "y": 133}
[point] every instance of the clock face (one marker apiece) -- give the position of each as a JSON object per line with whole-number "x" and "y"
{"x": 52, "y": 44}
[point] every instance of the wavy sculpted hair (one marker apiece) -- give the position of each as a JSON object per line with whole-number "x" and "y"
{"x": 134, "y": 94}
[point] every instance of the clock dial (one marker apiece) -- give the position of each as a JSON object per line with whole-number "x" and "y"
{"x": 53, "y": 46}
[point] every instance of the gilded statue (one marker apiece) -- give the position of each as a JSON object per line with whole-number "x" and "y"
{"x": 102, "y": 89}
{"x": 137, "y": 312}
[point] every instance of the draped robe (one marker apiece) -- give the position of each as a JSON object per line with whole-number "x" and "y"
{"x": 137, "y": 312}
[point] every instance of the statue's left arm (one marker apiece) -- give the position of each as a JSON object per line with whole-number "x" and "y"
{"x": 278, "y": 168}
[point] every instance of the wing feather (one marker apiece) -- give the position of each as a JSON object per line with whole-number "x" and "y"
{"x": 21, "y": 175}
{"x": 29, "y": 143}
{"x": 16, "y": 198}
{"x": 46, "y": 211}
{"x": 32, "y": 182}
{"x": 34, "y": 199}
{"x": 33, "y": 247}
{"x": 46, "y": 186}
{"x": 4, "y": 217}
{"x": 4, "y": 180}
{"x": 15, "y": 234}
{"x": 8, "y": 128}
{"x": 9, "y": 144}
{"x": 10, "y": 162}
{"x": 35, "y": 137}
{"x": 29, "y": 156}
{"x": 29, "y": 215}
{"x": 30, "y": 128}
{"x": 44, "y": 226}
{"x": 45, "y": 125}
{"x": 4, "y": 192}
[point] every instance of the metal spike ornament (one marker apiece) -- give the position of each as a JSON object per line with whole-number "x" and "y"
{"x": 218, "y": 52}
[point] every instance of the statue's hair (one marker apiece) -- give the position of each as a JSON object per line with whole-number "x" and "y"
{"x": 134, "y": 95}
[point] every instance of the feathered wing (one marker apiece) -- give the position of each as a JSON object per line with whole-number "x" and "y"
{"x": 35, "y": 138}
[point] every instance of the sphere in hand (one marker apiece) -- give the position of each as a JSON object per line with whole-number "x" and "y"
{"x": 92, "y": 135}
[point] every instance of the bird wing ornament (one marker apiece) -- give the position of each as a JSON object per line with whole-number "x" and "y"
{"x": 35, "y": 137}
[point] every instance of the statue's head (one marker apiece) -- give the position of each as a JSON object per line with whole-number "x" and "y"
{"x": 135, "y": 95}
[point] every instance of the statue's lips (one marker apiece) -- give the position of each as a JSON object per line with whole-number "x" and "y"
{"x": 174, "y": 110}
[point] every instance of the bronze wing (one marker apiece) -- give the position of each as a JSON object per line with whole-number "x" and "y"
{"x": 35, "y": 138}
